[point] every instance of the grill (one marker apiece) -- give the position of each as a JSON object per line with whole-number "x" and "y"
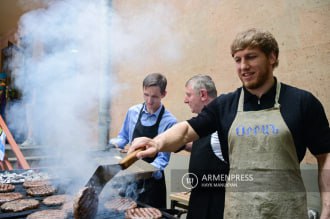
{"x": 19, "y": 188}
{"x": 102, "y": 213}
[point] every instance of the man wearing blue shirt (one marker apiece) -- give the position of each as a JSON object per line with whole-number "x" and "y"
{"x": 148, "y": 120}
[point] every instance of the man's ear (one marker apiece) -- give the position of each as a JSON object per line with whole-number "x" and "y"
{"x": 164, "y": 94}
{"x": 272, "y": 58}
{"x": 203, "y": 94}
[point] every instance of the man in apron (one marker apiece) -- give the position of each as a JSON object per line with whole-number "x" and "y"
{"x": 266, "y": 127}
{"x": 206, "y": 156}
{"x": 149, "y": 119}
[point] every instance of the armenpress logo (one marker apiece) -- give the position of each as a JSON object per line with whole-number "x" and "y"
{"x": 189, "y": 180}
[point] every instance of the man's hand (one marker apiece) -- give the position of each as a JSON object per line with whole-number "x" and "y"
{"x": 148, "y": 143}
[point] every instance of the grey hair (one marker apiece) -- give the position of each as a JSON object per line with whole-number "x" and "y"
{"x": 155, "y": 79}
{"x": 200, "y": 81}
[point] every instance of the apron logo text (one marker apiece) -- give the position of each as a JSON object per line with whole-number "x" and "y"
{"x": 268, "y": 129}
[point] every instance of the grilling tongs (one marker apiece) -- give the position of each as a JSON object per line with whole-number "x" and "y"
{"x": 86, "y": 203}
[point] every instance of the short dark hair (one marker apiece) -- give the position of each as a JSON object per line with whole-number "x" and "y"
{"x": 255, "y": 38}
{"x": 155, "y": 79}
{"x": 200, "y": 81}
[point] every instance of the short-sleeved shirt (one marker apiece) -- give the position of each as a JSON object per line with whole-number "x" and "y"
{"x": 302, "y": 112}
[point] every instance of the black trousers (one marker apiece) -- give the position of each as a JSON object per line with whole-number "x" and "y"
{"x": 206, "y": 204}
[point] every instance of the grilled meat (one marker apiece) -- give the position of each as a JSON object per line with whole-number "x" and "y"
{"x": 85, "y": 204}
{"x": 10, "y": 196}
{"x": 45, "y": 190}
{"x": 49, "y": 214}
{"x": 138, "y": 213}
{"x": 35, "y": 183}
{"x": 20, "y": 205}
{"x": 55, "y": 200}
{"x": 120, "y": 204}
{"x": 6, "y": 187}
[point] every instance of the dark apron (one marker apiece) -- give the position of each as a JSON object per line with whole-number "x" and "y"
{"x": 206, "y": 203}
{"x": 154, "y": 190}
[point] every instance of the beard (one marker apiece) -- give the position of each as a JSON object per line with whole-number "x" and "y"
{"x": 259, "y": 81}
{"x": 255, "y": 84}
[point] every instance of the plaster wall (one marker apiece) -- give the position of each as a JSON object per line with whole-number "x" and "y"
{"x": 204, "y": 31}
{"x": 184, "y": 38}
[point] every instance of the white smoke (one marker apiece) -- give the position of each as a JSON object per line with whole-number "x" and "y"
{"x": 63, "y": 66}
{"x": 62, "y": 54}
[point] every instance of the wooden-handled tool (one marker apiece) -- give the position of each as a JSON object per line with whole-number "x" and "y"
{"x": 86, "y": 203}
{"x": 104, "y": 173}
{"x": 129, "y": 159}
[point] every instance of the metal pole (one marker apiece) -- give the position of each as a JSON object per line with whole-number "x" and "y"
{"x": 104, "y": 104}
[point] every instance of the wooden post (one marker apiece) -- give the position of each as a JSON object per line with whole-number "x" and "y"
{"x": 17, "y": 151}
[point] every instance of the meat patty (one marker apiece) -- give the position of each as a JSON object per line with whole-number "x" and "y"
{"x": 35, "y": 183}
{"x": 20, "y": 205}
{"x": 120, "y": 204}
{"x": 45, "y": 190}
{"x": 150, "y": 213}
{"x": 6, "y": 187}
{"x": 10, "y": 196}
{"x": 55, "y": 200}
{"x": 49, "y": 214}
{"x": 85, "y": 204}
{"x": 138, "y": 213}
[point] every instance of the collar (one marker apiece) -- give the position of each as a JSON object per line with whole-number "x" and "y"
{"x": 270, "y": 94}
{"x": 144, "y": 110}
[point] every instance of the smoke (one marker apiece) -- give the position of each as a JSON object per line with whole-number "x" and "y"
{"x": 61, "y": 57}
{"x": 63, "y": 69}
